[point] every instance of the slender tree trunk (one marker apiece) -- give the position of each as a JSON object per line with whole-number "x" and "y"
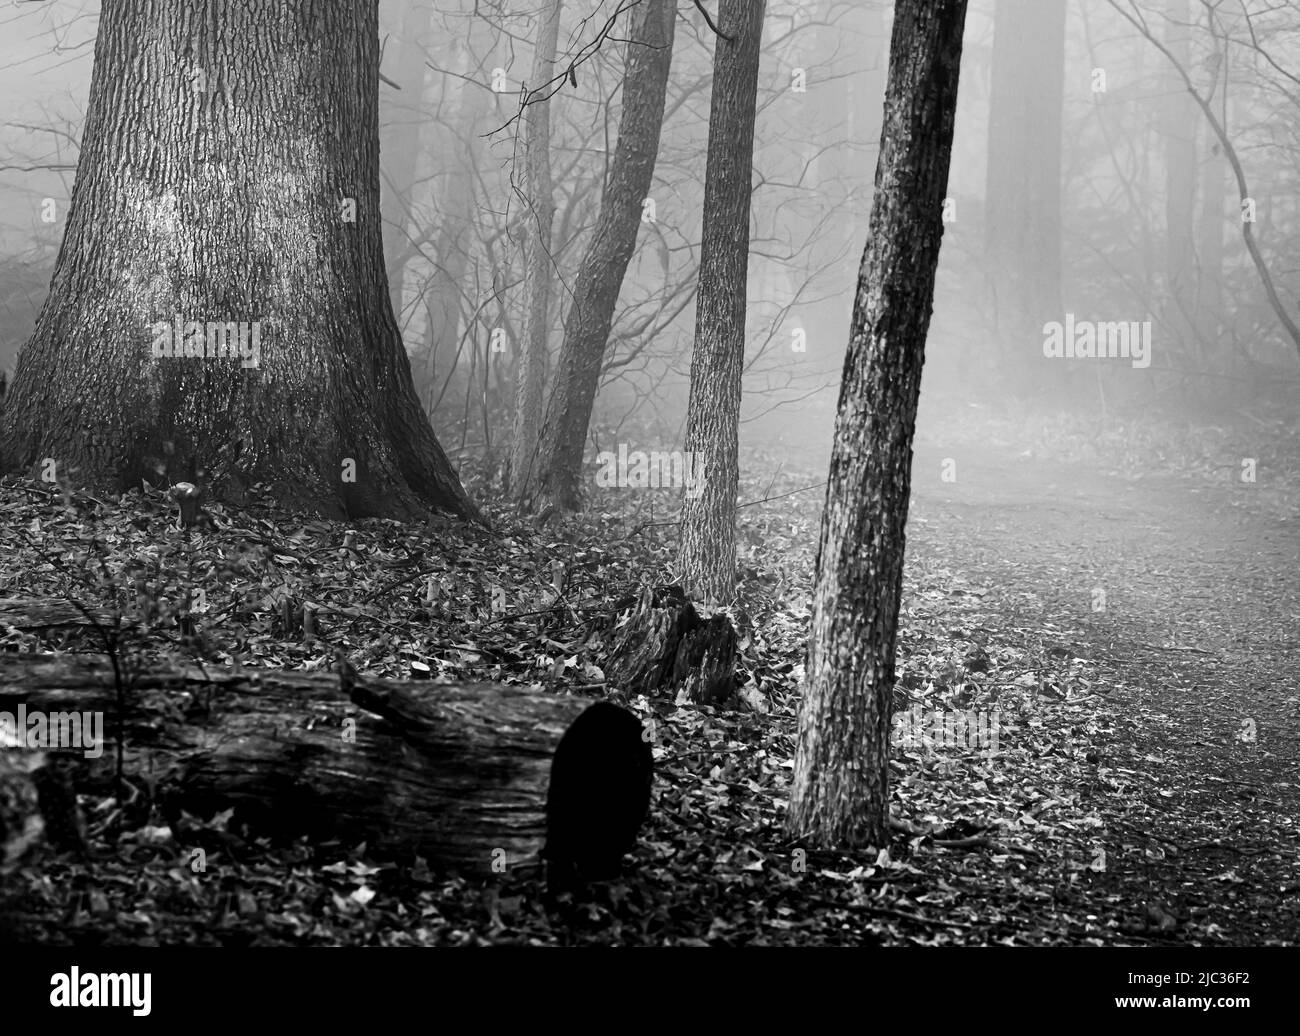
{"x": 707, "y": 560}
{"x": 219, "y": 302}
{"x": 840, "y": 795}
{"x": 600, "y": 277}
{"x": 531, "y": 369}
{"x": 1023, "y": 187}
{"x": 1212, "y": 181}
{"x": 457, "y": 213}
{"x": 1178, "y": 127}
{"x": 1210, "y": 249}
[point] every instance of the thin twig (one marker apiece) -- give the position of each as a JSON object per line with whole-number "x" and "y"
{"x": 780, "y": 496}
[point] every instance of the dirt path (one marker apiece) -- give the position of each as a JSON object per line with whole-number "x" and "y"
{"x": 1200, "y": 641}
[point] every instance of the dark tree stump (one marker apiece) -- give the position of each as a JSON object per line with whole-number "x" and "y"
{"x": 666, "y": 646}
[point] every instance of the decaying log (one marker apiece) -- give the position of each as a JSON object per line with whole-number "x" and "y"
{"x": 44, "y": 613}
{"x": 456, "y": 773}
{"x": 666, "y": 645}
{"x": 21, "y": 823}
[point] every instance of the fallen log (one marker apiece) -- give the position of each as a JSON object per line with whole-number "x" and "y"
{"x": 44, "y": 613}
{"x": 457, "y": 773}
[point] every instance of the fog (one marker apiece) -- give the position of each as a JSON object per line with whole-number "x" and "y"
{"x": 1115, "y": 202}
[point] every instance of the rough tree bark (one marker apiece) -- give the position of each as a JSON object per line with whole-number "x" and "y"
{"x": 707, "y": 558}
{"x": 557, "y": 474}
{"x": 840, "y": 795}
{"x": 531, "y": 368}
{"x": 228, "y": 182}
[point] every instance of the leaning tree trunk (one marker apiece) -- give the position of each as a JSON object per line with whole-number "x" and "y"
{"x": 531, "y": 368}
{"x": 219, "y": 302}
{"x": 558, "y": 474}
{"x": 840, "y": 795}
{"x": 707, "y": 559}
{"x": 460, "y": 774}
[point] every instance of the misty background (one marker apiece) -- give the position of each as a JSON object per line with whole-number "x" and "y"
{"x": 1109, "y": 196}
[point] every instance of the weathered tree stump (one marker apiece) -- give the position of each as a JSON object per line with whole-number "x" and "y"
{"x": 666, "y": 645}
{"x": 456, "y": 773}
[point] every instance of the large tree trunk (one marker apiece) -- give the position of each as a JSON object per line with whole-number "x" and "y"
{"x": 1022, "y": 227}
{"x": 558, "y": 475}
{"x": 707, "y": 560}
{"x": 459, "y": 774}
{"x": 530, "y": 372}
{"x": 229, "y": 181}
{"x": 840, "y": 795}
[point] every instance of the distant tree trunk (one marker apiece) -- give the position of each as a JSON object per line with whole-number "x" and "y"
{"x": 227, "y": 197}
{"x": 707, "y": 560}
{"x": 1023, "y": 187}
{"x": 457, "y": 213}
{"x": 558, "y": 473}
{"x": 530, "y": 372}
{"x": 400, "y": 138}
{"x": 1178, "y": 127}
{"x": 845, "y": 111}
{"x": 1210, "y": 245}
{"x": 841, "y": 779}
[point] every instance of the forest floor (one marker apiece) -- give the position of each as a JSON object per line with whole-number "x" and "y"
{"x": 1125, "y": 608}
